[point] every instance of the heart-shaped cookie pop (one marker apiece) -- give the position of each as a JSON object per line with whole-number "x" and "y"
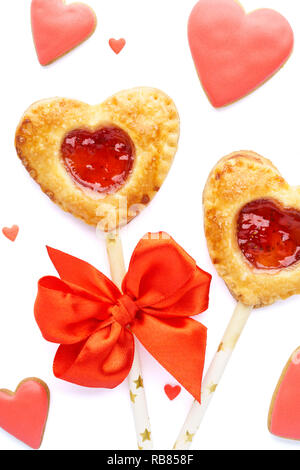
{"x": 252, "y": 227}
{"x": 284, "y": 414}
{"x": 234, "y": 52}
{"x": 101, "y": 163}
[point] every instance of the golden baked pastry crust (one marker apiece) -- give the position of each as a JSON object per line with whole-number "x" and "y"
{"x": 235, "y": 181}
{"x": 147, "y": 115}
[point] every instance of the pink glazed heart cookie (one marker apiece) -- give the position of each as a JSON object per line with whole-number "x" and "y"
{"x": 57, "y": 28}
{"x": 284, "y": 414}
{"x": 234, "y": 52}
{"x": 23, "y": 414}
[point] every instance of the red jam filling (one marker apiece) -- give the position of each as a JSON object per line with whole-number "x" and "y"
{"x": 100, "y": 160}
{"x": 269, "y": 235}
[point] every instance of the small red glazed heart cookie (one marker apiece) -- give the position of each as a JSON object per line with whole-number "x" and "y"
{"x": 233, "y": 52}
{"x": 23, "y": 414}
{"x": 57, "y": 28}
{"x": 172, "y": 391}
{"x": 252, "y": 227}
{"x": 284, "y": 414}
{"x": 102, "y": 163}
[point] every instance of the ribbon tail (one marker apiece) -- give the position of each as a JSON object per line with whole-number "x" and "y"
{"x": 178, "y": 344}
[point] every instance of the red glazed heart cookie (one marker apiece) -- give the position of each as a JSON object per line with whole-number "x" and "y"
{"x": 284, "y": 414}
{"x": 57, "y": 28}
{"x": 252, "y": 225}
{"x": 24, "y": 413}
{"x": 102, "y": 163}
{"x": 233, "y": 52}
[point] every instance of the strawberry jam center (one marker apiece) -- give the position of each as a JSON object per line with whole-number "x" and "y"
{"x": 269, "y": 235}
{"x": 100, "y": 160}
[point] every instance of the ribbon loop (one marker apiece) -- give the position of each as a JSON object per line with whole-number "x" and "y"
{"x": 125, "y": 311}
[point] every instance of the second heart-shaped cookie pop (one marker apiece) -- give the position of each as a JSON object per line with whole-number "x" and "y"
{"x": 252, "y": 227}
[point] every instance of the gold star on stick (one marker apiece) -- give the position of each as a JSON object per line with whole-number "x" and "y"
{"x": 146, "y": 435}
{"x": 139, "y": 382}
{"x": 189, "y": 437}
{"x": 212, "y": 388}
{"x": 132, "y": 396}
{"x": 140, "y": 448}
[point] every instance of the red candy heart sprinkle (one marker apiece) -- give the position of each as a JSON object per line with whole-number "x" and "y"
{"x": 172, "y": 391}
{"x": 11, "y": 233}
{"x": 117, "y": 45}
{"x": 101, "y": 160}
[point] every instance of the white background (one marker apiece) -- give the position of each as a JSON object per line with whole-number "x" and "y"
{"x": 267, "y": 121}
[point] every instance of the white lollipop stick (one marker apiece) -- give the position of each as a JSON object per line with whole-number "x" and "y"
{"x": 213, "y": 376}
{"x": 135, "y": 378}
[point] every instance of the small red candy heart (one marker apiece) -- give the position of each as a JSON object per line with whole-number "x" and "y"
{"x": 172, "y": 391}
{"x": 269, "y": 235}
{"x": 11, "y": 233}
{"x": 23, "y": 414}
{"x": 117, "y": 45}
{"x": 57, "y": 28}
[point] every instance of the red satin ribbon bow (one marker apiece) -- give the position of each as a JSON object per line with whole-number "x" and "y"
{"x": 94, "y": 322}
